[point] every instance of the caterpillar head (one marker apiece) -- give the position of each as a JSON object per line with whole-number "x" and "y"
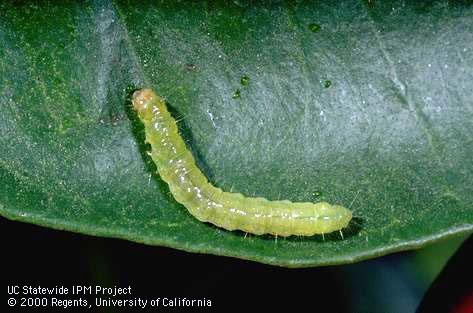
{"x": 145, "y": 101}
{"x": 142, "y": 98}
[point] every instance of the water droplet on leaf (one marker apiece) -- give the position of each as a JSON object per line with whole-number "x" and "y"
{"x": 236, "y": 94}
{"x": 313, "y": 27}
{"x": 191, "y": 67}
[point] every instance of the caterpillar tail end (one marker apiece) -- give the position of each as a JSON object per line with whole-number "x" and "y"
{"x": 334, "y": 217}
{"x": 346, "y": 216}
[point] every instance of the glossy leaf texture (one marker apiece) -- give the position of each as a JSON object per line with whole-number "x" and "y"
{"x": 364, "y": 104}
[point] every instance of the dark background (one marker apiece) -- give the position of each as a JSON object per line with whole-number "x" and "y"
{"x": 34, "y": 255}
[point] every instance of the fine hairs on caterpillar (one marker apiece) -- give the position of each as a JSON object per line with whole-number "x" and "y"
{"x": 207, "y": 203}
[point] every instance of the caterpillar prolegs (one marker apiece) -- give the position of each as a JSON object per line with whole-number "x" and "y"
{"x": 207, "y": 203}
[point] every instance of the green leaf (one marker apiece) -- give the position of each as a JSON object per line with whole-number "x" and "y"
{"x": 364, "y": 104}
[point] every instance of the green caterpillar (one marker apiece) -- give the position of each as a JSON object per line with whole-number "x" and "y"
{"x": 207, "y": 203}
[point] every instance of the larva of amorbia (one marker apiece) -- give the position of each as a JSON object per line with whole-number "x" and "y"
{"x": 207, "y": 203}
